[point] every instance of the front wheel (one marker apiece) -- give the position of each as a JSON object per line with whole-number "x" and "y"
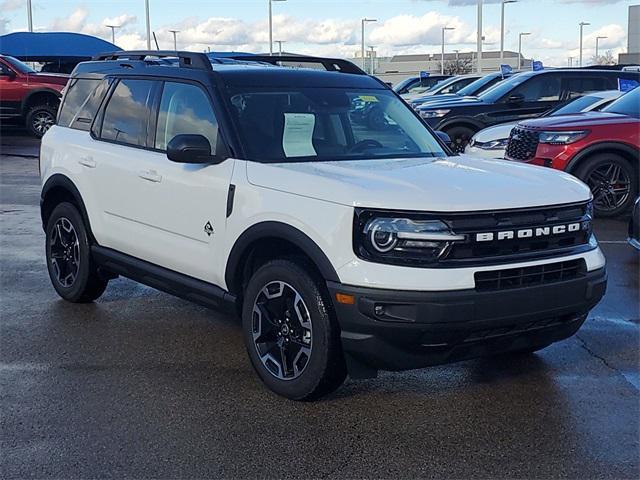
{"x": 290, "y": 331}
{"x": 613, "y": 182}
{"x": 460, "y": 137}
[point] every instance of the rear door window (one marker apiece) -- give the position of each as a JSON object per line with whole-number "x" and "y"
{"x": 126, "y": 116}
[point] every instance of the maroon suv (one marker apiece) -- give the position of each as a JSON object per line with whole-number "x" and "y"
{"x": 29, "y": 97}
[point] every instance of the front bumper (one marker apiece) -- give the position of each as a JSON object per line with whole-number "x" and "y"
{"x": 401, "y": 330}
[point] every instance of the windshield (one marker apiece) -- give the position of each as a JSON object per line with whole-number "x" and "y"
{"x": 480, "y": 85}
{"x": 403, "y": 83}
{"x": 627, "y": 104}
{"x": 19, "y": 66}
{"x": 582, "y": 104}
{"x": 499, "y": 90}
{"x": 315, "y": 124}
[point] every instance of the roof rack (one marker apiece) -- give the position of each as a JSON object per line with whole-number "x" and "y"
{"x": 330, "y": 64}
{"x": 194, "y": 60}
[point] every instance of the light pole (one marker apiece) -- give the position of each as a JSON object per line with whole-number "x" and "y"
{"x": 271, "y": 24}
{"x": 520, "y": 35}
{"x": 175, "y": 43}
{"x": 113, "y": 32}
{"x": 442, "y": 61}
{"x": 146, "y": 8}
{"x": 597, "y": 45}
{"x": 582, "y": 24}
{"x": 570, "y": 62}
{"x": 364, "y": 60}
{"x": 29, "y": 15}
{"x": 479, "y": 39}
{"x": 504, "y": 2}
{"x": 279, "y": 42}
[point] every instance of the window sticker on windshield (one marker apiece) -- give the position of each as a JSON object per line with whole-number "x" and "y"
{"x": 369, "y": 98}
{"x": 297, "y": 139}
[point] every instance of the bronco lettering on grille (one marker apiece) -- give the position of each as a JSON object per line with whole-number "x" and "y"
{"x": 530, "y": 232}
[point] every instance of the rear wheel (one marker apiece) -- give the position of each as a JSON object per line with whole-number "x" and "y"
{"x": 290, "y": 331}
{"x": 460, "y": 137}
{"x": 613, "y": 182}
{"x": 72, "y": 271}
{"x": 40, "y": 119}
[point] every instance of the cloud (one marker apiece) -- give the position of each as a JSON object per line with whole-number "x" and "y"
{"x": 9, "y": 5}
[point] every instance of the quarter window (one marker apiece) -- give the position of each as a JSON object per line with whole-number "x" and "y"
{"x": 82, "y": 102}
{"x": 127, "y": 114}
{"x": 185, "y": 108}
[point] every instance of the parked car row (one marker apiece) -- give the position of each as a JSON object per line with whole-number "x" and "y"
{"x": 570, "y": 119}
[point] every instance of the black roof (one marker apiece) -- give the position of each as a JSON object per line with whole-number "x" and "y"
{"x": 241, "y": 70}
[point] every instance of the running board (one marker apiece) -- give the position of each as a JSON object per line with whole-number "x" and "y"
{"x": 160, "y": 278}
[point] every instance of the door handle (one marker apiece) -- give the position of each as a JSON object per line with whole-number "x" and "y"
{"x": 150, "y": 175}
{"x": 87, "y": 162}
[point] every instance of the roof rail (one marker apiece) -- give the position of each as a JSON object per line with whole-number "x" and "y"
{"x": 194, "y": 60}
{"x": 330, "y": 64}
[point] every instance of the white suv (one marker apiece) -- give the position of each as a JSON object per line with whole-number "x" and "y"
{"x": 262, "y": 189}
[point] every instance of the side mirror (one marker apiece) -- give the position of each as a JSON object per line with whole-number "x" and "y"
{"x": 444, "y": 138}
{"x": 10, "y": 74}
{"x": 515, "y": 99}
{"x": 187, "y": 148}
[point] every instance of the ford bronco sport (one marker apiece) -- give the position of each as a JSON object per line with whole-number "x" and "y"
{"x": 246, "y": 185}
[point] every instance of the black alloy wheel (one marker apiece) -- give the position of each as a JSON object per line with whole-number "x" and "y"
{"x": 282, "y": 330}
{"x": 611, "y": 187}
{"x": 613, "y": 181}
{"x": 64, "y": 252}
{"x": 72, "y": 270}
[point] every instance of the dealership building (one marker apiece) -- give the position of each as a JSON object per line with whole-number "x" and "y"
{"x": 396, "y": 68}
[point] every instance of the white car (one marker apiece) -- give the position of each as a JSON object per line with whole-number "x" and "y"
{"x": 491, "y": 142}
{"x": 254, "y": 189}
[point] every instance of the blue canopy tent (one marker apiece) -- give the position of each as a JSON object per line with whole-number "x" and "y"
{"x": 53, "y": 47}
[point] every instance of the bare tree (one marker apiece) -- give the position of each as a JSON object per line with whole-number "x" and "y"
{"x": 606, "y": 59}
{"x": 457, "y": 67}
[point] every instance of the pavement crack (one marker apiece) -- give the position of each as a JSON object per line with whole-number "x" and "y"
{"x": 604, "y": 361}
{"x": 584, "y": 345}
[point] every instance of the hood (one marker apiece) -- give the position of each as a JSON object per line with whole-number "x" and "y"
{"x": 435, "y": 98}
{"x": 53, "y": 78}
{"x": 450, "y": 184}
{"x": 579, "y": 120}
{"x": 496, "y": 132}
{"x": 455, "y": 101}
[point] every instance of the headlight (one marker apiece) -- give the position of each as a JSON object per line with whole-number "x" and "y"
{"x": 433, "y": 113}
{"x": 562, "y": 138}
{"x": 401, "y": 240}
{"x": 493, "y": 144}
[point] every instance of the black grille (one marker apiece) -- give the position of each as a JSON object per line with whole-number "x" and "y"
{"x": 477, "y": 252}
{"x": 522, "y": 144}
{"x": 529, "y": 276}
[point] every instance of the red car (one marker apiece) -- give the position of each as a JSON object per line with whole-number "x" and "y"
{"x": 29, "y": 97}
{"x": 600, "y": 148}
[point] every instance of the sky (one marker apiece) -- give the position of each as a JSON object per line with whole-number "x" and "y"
{"x": 332, "y": 27}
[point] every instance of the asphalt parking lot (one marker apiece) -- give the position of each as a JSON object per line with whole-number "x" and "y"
{"x": 141, "y": 385}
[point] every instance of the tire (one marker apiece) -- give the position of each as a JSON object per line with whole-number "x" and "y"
{"x": 309, "y": 335}
{"x": 460, "y": 137}
{"x": 39, "y": 119}
{"x": 613, "y": 181}
{"x": 72, "y": 271}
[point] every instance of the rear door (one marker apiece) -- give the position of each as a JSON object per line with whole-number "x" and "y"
{"x": 181, "y": 209}
{"x": 538, "y": 94}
